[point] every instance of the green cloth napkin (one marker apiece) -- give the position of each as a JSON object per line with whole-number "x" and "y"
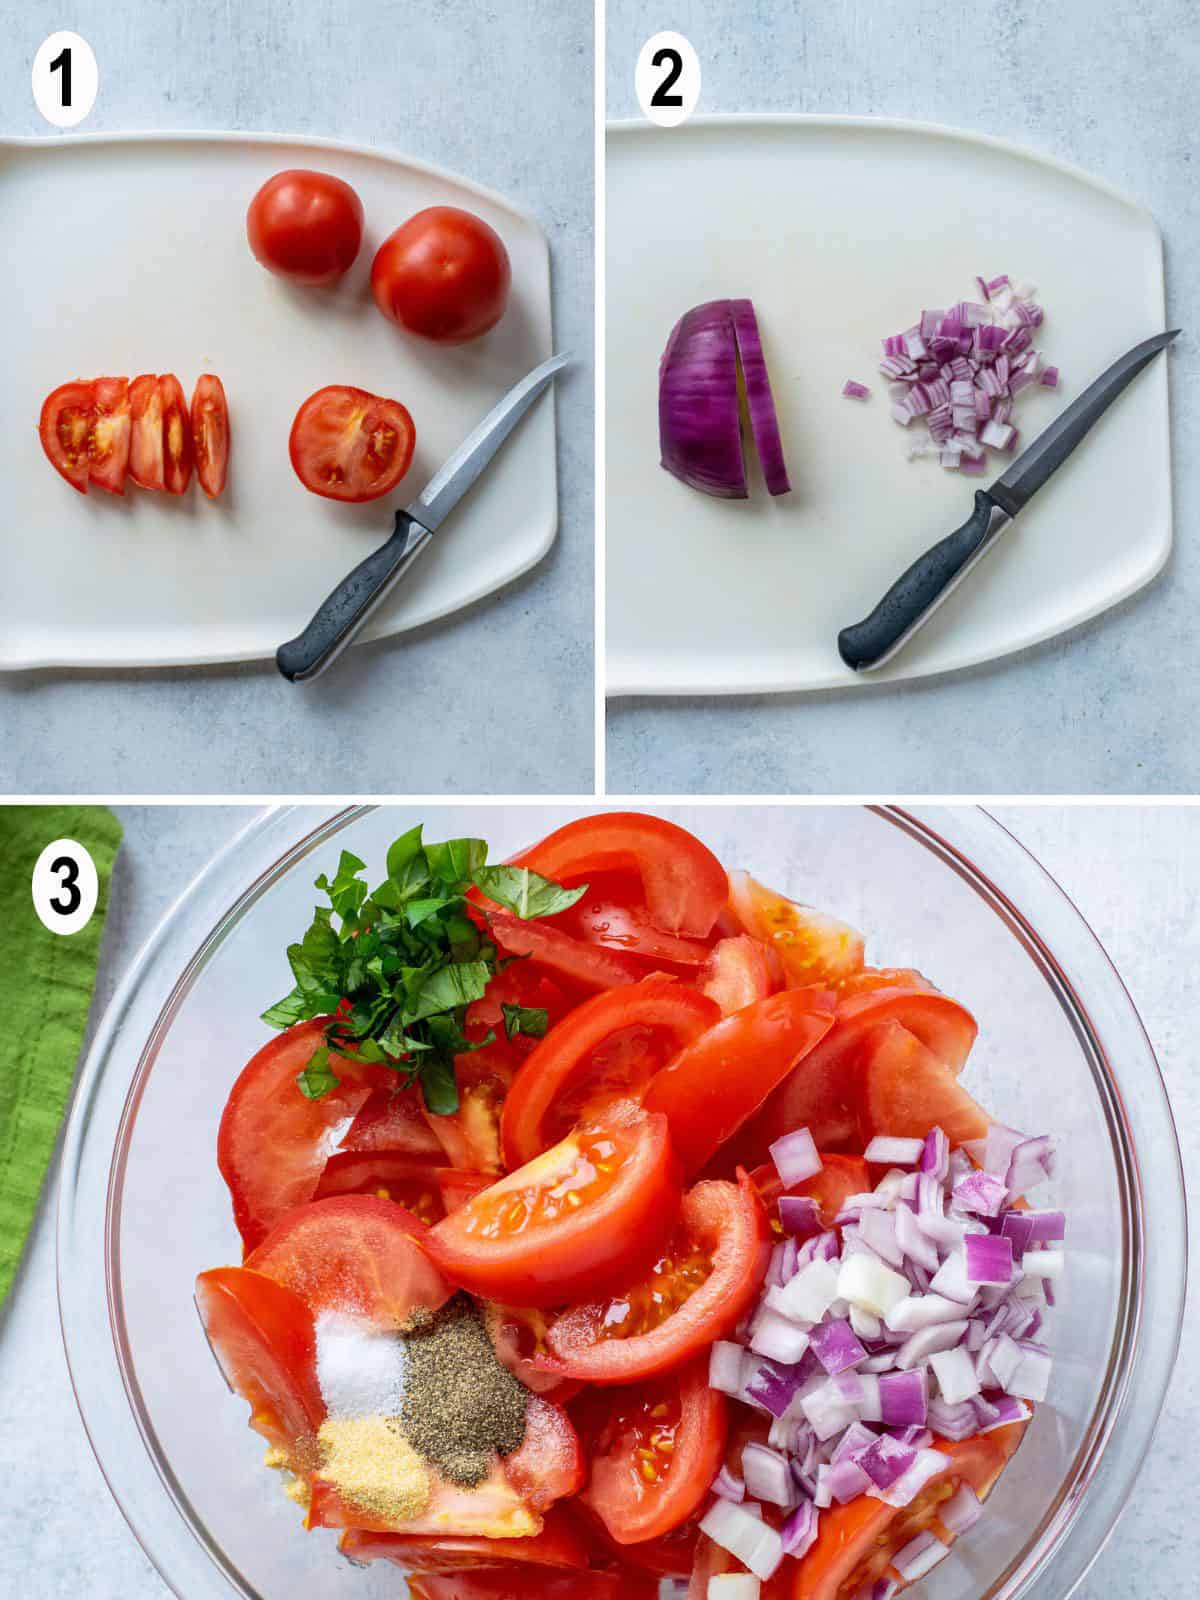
{"x": 46, "y": 983}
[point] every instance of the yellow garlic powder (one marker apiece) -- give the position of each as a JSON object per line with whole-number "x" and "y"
{"x": 370, "y": 1462}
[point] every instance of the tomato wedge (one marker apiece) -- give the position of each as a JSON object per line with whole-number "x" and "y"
{"x": 684, "y": 884}
{"x": 558, "y": 1545}
{"x": 518, "y": 1335}
{"x": 813, "y": 947}
{"x": 389, "y": 1175}
{"x": 696, "y": 1294}
{"x": 264, "y": 1341}
{"x": 108, "y": 440}
{"x": 654, "y": 1451}
{"x": 838, "y": 1179}
{"x": 872, "y": 978}
{"x": 64, "y": 428}
{"x": 392, "y": 1118}
{"x": 906, "y": 1090}
{"x": 273, "y": 1142}
{"x": 608, "y": 1047}
{"x": 858, "y": 1540}
{"x": 671, "y": 1556}
{"x": 738, "y": 972}
{"x": 533, "y": 1583}
{"x": 490, "y": 1510}
{"x": 581, "y": 966}
{"x": 614, "y": 913}
{"x": 177, "y": 435}
{"x": 146, "y": 432}
{"x": 719, "y": 1080}
{"x": 470, "y": 1136}
{"x": 354, "y": 1254}
{"x": 548, "y": 1464}
{"x": 210, "y": 433}
{"x": 587, "y": 1214}
{"x": 349, "y": 445}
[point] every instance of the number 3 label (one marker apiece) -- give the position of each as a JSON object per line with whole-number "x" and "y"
{"x": 65, "y": 79}
{"x": 667, "y": 79}
{"x": 65, "y": 887}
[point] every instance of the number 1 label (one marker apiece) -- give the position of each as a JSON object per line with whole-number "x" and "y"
{"x": 65, "y": 79}
{"x": 667, "y": 79}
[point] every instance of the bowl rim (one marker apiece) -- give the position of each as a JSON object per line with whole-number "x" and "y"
{"x": 967, "y": 840}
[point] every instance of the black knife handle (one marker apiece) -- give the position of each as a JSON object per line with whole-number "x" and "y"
{"x": 917, "y": 592}
{"x": 340, "y": 617}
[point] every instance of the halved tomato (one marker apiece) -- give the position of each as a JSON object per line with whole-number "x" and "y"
{"x": 64, "y": 428}
{"x": 354, "y": 1254}
{"x": 906, "y": 1090}
{"x": 719, "y": 1080}
{"x": 548, "y": 1464}
{"x": 812, "y": 946}
{"x": 558, "y": 1545}
{"x": 264, "y": 1340}
{"x": 838, "y": 1179}
{"x": 347, "y": 444}
{"x": 146, "y": 432}
{"x": 534, "y": 1583}
{"x": 274, "y": 1142}
{"x": 388, "y": 1174}
{"x": 210, "y": 433}
{"x": 177, "y": 435}
{"x": 108, "y": 441}
{"x": 738, "y": 972}
{"x": 518, "y": 1335}
{"x": 587, "y": 1214}
{"x": 654, "y": 1450}
{"x": 683, "y": 882}
{"x": 696, "y": 1293}
{"x": 609, "y": 1047}
{"x": 858, "y": 1540}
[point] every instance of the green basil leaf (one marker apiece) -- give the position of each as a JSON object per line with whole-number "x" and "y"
{"x": 439, "y": 1086}
{"x": 318, "y": 1078}
{"x": 443, "y": 990}
{"x": 418, "y": 911}
{"x": 292, "y": 1008}
{"x": 457, "y": 860}
{"x": 530, "y": 1020}
{"x": 402, "y": 851}
{"x": 527, "y": 894}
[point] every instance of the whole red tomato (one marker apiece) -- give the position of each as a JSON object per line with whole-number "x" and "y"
{"x": 306, "y": 226}
{"x": 444, "y": 274}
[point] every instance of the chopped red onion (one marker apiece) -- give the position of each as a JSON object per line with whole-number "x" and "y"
{"x": 912, "y": 1239}
{"x": 736, "y": 1529}
{"x": 808, "y": 1296}
{"x": 885, "y": 1460}
{"x": 923, "y": 1311}
{"x": 989, "y": 1258}
{"x": 728, "y": 1486}
{"x": 953, "y": 1421}
{"x": 853, "y": 390}
{"x": 795, "y": 1157}
{"x": 799, "y": 1531}
{"x": 776, "y": 1337}
{"x": 950, "y": 1279}
{"x": 981, "y": 1193}
{"x": 902, "y": 1398}
{"x": 887, "y": 1152}
{"x": 799, "y": 1214}
{"x": 917, "y": 1349}
{"x": 962, "y": 1511}
{"x": 928, "y": 1464}
{"x": 845, "y": 1479}
{"x": 836, "y": 1346}
{"x": 935, "y": 1156}
{"x": 1050, "y": 378}
{"x": 919, "y": 1556}
{"x": 725, "y": 1367}
{"x": 955, "y": 1373}
{"x": 878, "y": 1230}
{"x": 768, "y": 1476}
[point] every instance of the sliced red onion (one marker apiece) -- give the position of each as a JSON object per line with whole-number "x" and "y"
{"x": 997, "y": 1148}
{"x": 796, "y": 1158}
{"x": 845, "y": 1479}
{"x": 725, "y": 1367}
{"x": 768, "y": 1476}
{"x": 1047, "y": 1227}
{"x": 877, "y": 1229}
{"x": 800, "y": 1215}
{"x": 962, "y": 1511}
{"x": 1031, "y": 1381}
{"x": 1050, "y": 378}
{"x": 736, "y": 1529}
{"x": 919, "y": 1556}
{"x": 855, "y": 1439}
{"x": 912, "y": 1239}
{"x": 951, "y": 1279}
{"x": 836, "y": 1347}
{"x": 810, "y": 1293}
{"x": 864, "y": 1324}
{"x": 728, "y": 1486}
{"x": 1007, "y": 1410}
{"x": 799, "y": 1531}
{"x": 867, "y": 1283}
{"x": 989, "y": 1258}
{"x": 853, "y": 390}
{"x": 902, "y": 1398}
{"x": 826, "y": 1411}
{"x": 1016, "y": 1227}
{"x": 886, "y": 1152}
{"x": 760, "y": 403}
{"x": 935, "y": 1156}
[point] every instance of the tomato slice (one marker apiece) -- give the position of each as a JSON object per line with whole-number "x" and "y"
{"x": 582, "y": 966}
{"x": 608, "y": 1047}
{"x": 558, "y": 1545}
{"x": 353, "y": 1254}
{"x": 518, "y": 1335}
{"x": 684, "y": 884}
{"x": 349, "y": 445}
{"x": 64, "y": 428}
{"x": 589, "y": 1213}
{"x": 719, "y": 1080}
{"x": 534, "y": 1583}
{"x": 838, "y": 1179}
{"x": 389, "y": 1175}
{"x": 392, "y": 1118}
{"x": 822, "y": 1094}
{"x": 738, "y": 972}
{"x": 273, "y": 1142}
{"x": 210, "y": 433}
{"x": 264, "y": 1341}
{"x": 108, "y": 440}
{"x": 906, "y": 1090}
{"x": 548, "y": 1464}
{"x": 872, "y": 978}
{"x": 813, "y": 947}
{"x": 146, "y": 432}
{"x": 614, "y": 913}
{"x": 654, "y": 1451}
{"x": 177, "y": 435}
{"x": 858, "y": 1540}
{"x": 695, "y": 1294}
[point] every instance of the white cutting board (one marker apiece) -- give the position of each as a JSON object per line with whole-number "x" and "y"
{"x": 841, "y": 229}
{"x": 128, "y": 254}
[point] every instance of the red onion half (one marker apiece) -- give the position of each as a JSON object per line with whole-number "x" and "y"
{"x": 698, "y": 412}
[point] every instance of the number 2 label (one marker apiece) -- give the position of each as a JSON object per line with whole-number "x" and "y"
{"x": 65, "y": 79}
{"x": 65, "y": 886}
{"x": 667, "y": 79}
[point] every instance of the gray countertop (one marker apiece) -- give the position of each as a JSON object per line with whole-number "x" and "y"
{"x": 1134, "y": 872}
{"x": 490, "y": 691}
{"x": 1111, "y": 707}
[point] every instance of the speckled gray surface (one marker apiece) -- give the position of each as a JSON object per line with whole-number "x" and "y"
{"x": 1111, "y": 707}
{"x": 1134, "y": 872}
{"x": 446, "y": 81}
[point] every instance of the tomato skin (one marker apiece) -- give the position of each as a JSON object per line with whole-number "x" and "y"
{"x": 353, "y": 1253}
{"x": 730, "y": 1224}
{"x": 146, "y": 432}
{"x": 264, "y": 1340}
{"x": 349, "y": 445}
{"x": 738, "y": 972}
{"x": 610, "y": 1238}
{"x": 907, "y": 1090}
{"x": 548, "y": 1464}
{"x": 392, "y": 1119}
{"x": 63, "y": 427}
{"x": 210, "y": 433}
{"x": 108, "y": 441}
{"x": 613, "y": 913}
{"x": 812, "y": 946}
{"x": 579, "y": 964}
{"x": 306, "y": 226}
{"x": 534, "y": 1583}
{"x": 685, "y": 885}
{"x": 177, "y": 435}
{"x": 618, "y": 1422}
{"x": 443, "y": 275}
{"x": 669, "y": 1014}
{"x": 558, "y": 1545}
{"x": 718, "y": 1081}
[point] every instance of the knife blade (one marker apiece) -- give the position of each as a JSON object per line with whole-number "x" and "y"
{"x": 343, "y": 614}
{"x": 932, "y": 578}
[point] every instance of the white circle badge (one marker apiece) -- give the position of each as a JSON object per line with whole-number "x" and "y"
{"x": 667, "y": 79}
{"x": 65, "y": 79}
{"x": 65, "y": 886}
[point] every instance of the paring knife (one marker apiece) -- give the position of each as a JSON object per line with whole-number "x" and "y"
{"x": 916, "y": 595}
{"x": 360, "y": 593}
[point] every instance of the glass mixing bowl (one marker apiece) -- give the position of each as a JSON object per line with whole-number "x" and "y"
{"x": 1061, "y": 1050}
